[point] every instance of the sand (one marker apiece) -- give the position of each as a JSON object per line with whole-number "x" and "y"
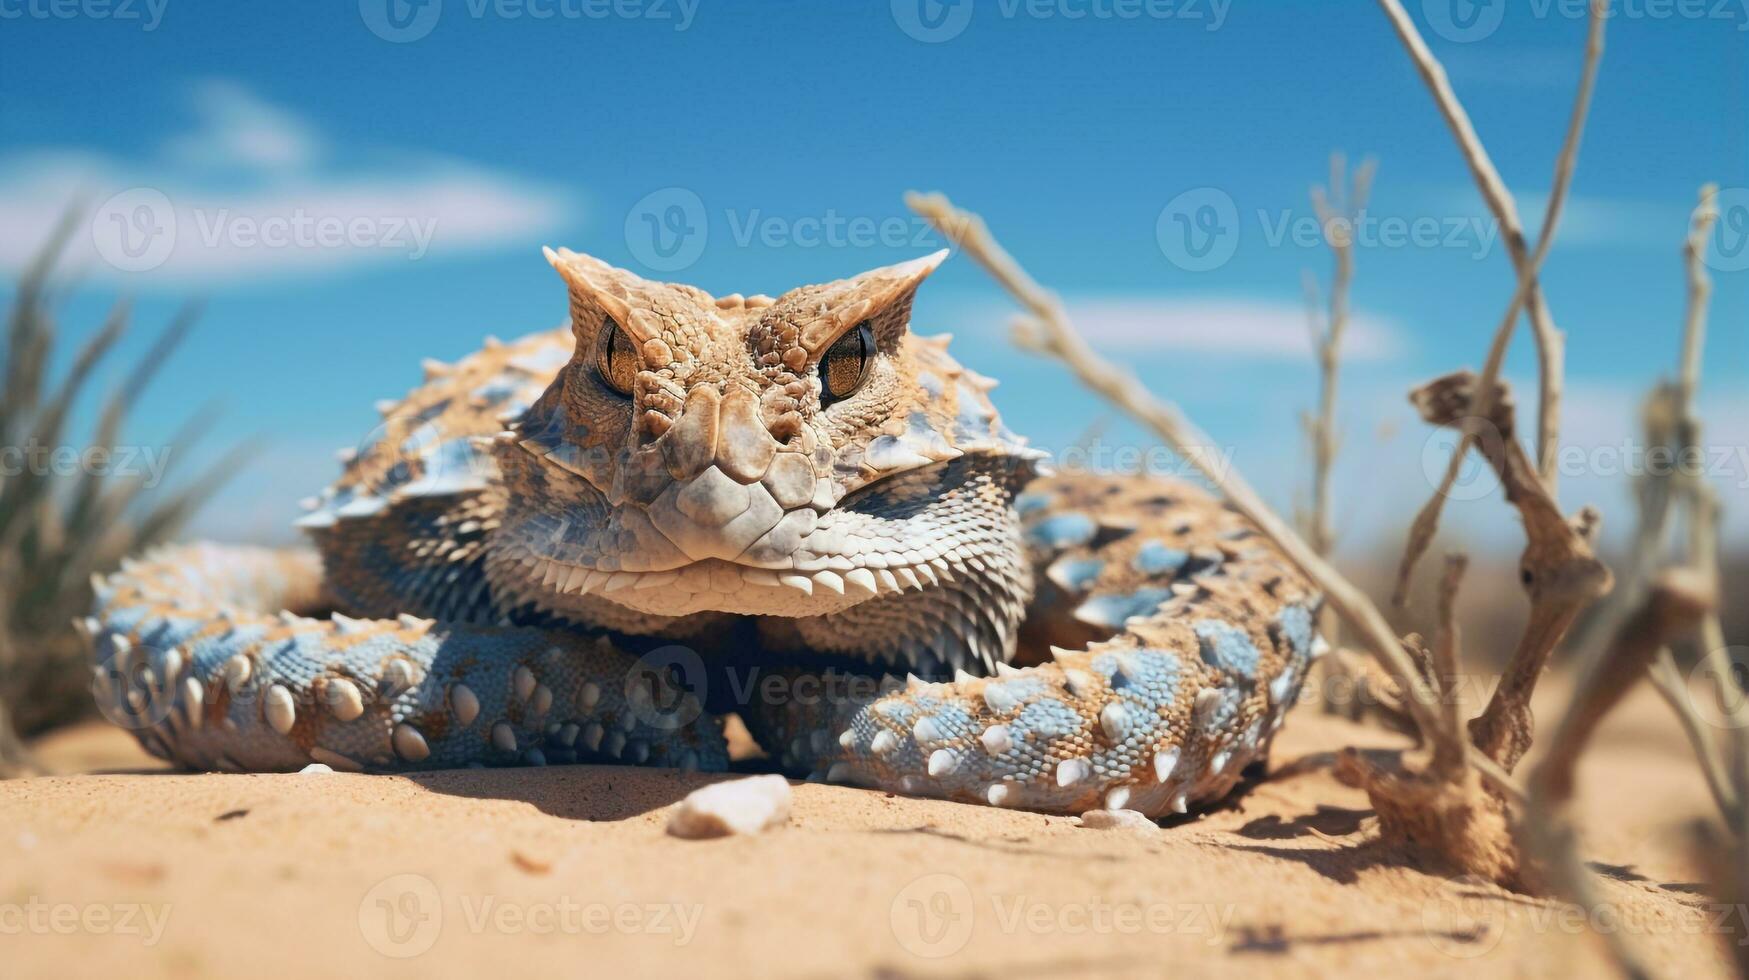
{"x": 567, "y": 871}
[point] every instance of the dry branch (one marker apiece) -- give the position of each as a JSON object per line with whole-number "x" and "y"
{"x": 1672, "y": 420}
{"x": 1446, "y": 646}
{"x": 1678, "y": 599}
{"x": 1550, "y": 345}
{"x": 1675, "y": 602}
{"x": 1339, "y": 209}
{"x": 1558, "y": 568}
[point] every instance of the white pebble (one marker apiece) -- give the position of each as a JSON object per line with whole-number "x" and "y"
{"x": 741, "y": 806}
{"x": 1117, "y": 820}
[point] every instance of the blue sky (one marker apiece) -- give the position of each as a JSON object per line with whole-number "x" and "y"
{"x": 769, "y": 143}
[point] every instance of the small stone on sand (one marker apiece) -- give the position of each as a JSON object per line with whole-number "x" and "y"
{"x": 1117, "y": 820}
{"x": 315, "y": 769}
{"x": 742, "y": 806}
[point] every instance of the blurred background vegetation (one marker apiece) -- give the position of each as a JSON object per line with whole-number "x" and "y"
{"x": 57, "y": 529}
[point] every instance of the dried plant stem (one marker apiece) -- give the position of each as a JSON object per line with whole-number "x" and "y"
{"x": 1339, "y": 209}
{"x": 1446, "y": 645}
{"x": 1560, "y": 571}
{"x": 1703, "y": 505}
{"x": 1550, "y": 345}
{"x": 1691, "y": 490}
{"x": 1667, "y": 679}
{"x": 1678, "y": 599}
{"x": 1675, "y": 602}
{"x": 1049, "y": 331}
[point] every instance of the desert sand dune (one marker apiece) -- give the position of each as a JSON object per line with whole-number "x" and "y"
{"x": 567, "y": 871}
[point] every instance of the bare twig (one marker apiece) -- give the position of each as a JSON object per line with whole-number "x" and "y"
{"x": 1667, "y": 679}
{"x": 1558, "y": 568}
{"x": 1446, "y": 645}
{"x": 1700, "y": 288}
{"x": 1702, "y": 503}
{"x": 1675, "y": 602}
{"x": 1049, "y": 331}
{"x": 1339, "y": 209}
{"x": 1673, "y": 420}
{"x": 1550, "y": 346}
{"x": 1688, "y": 487}
{"x": 1679, "y": 598}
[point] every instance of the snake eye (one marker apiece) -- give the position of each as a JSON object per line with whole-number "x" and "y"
{"x": 845, "y": 366}
{"x": 616, "y": 360}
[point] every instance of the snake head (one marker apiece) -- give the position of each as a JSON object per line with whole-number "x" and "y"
{"x": 741, "y": 453}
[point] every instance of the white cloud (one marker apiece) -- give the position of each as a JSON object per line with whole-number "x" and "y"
{"x": 252, "y": 191}
{"x": 1219, "y": 325}
{"x": 238, "y": 128}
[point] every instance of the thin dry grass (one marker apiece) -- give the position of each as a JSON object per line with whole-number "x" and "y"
{"x": 57, "y": 530}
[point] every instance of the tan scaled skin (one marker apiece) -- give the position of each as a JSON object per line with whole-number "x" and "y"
{"x": 799, "y": 486}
